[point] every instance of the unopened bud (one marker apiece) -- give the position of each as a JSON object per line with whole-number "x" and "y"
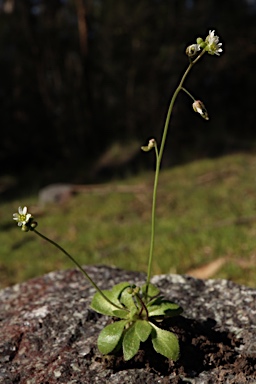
{"x": 151, "y": 144}
{"x": 136, "y": 290}
{"x": 25, "y": 228}
{"x": 199, "y": 107}
{"x": 33, "y": 225}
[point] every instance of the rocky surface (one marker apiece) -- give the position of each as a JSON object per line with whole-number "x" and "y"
{"x": 48, "y": 332}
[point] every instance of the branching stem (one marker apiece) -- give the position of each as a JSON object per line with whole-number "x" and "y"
{"x": 159, "y": 156}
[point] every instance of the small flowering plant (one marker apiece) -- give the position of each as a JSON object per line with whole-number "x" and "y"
{"x": 138, "y": 311}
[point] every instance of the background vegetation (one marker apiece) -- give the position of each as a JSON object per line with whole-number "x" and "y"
{"x": 85, "y": 83}
{"x": 206, "y": 225}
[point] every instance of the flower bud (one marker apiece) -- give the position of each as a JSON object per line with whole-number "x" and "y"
{"x": 24, "y": 228}
{"x": 199, "y": 107}
{"x": 192, "y": 50}
{"x": 136, "y": 290}
{"x": 129, "y": 290}
{"x": 33, "y": 225}
{"x": 199, "y": 40}
{"x": 151, "y": 144}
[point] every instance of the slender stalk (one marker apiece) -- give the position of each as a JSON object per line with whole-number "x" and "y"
{"x": 172, "y": 103}
{"x": 79, "y": 266}
{"x": 143, "y": 306}
{"x": 158, "y": 165}
{"x": 188, "y": 93}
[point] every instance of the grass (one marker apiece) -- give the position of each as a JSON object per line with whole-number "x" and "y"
{"x": 206, "y": 210}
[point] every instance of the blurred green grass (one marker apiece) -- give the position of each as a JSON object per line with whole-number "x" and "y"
{"x": 206, "y": 210}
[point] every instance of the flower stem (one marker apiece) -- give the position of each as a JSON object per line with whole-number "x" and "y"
{"x": 158, "y": 165}
{"x": 79, "y": 266}
{"x": 188, "y": 93}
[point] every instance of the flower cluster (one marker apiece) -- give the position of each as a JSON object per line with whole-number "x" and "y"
{"x": 210, "y": 44}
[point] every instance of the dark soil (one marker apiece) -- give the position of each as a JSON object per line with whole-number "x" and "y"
{"x": 201, "y": 349}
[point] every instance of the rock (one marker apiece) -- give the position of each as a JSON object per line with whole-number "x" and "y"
{"x": 61, "y": 193}
{"x": 48, "y": 332}
{"x": 55, "y": 193}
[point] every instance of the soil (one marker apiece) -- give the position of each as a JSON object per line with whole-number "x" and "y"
{"x": 48, "y": 333}
{"x": 201, "y": 349}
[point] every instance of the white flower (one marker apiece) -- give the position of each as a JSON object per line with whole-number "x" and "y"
{"x": 213, "y": 46}
{"x": 22, "y": 217}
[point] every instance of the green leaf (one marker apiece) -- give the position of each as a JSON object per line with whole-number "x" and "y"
{"x": 110, "y": 336}
{"x": 131, "y": 343}
{"x": 143, "y": 329}
{"x": 164, "y": 308}
{"x": 100, "y": 305}
{"x": 122, "y": 314}
{"x": 118, "y": 289}
{"x": 165, "y": 343}
{"x": 156, "y": 300}
{"x": 152, "y": 290}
